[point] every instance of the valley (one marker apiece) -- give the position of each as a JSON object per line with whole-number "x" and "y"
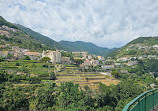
{"x": 40, "y": 74}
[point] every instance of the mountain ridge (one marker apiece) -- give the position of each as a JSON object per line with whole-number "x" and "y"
{"x": 86, "y": 46}
{"x": 39, "y": 37}
{"x": 62, "y": 46}
{"x": 91, "y": 48}
{"x": 137, "y": 47}
{"x": 12, "y": 35}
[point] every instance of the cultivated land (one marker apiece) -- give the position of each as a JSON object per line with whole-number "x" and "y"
{"x": 90, "y": 79}
{"x": 34, "y": 68}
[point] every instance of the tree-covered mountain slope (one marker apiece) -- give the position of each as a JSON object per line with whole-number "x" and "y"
{"x": 142, "y": 46}
{"x": 86, "y": 46}
{"x": 41, "y": 38}
{"x": 4, "y": 22}
{"x": 10, "y": 34}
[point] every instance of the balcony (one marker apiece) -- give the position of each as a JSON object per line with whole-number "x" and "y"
{"x": 147, "y": 101}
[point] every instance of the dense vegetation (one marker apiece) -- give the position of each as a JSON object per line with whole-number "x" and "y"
{"x": 34, "y": 89}
{"x": 83, "y": 46}
{"x": 68, "y": 96}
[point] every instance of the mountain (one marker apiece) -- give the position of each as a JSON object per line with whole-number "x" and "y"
{"x": 11, "y": 34}
{"x": 27, "y": 38}
{"x": 67, "y": 45}
{"x": 39, "y": 37}
{"x": 86, "y": 46}
{"x": 4, "y": 22}
{"x": 142, "y": 46}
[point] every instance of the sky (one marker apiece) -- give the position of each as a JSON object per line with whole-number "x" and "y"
{"x": 106, "y": 23}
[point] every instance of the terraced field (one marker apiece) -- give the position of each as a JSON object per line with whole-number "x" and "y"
{"x": 67, "y": 74}
{"x": 90, "y": 79}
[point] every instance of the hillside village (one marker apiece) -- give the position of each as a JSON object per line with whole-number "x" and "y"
{"x": 37, "y": 74}
{"x": 126, "y": 57}
{"x": 9, "y": 51}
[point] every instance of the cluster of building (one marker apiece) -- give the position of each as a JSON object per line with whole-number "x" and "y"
{"x": 19, "y": 53}
{"x": 140, "y": 46}
{"x": 8, "y": 29}
{"x": 89, "y": 60}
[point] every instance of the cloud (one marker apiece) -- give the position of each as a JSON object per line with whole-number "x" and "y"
{"x": 107, "y": 23}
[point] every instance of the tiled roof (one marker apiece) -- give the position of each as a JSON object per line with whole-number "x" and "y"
{"x": 31, "y": 53}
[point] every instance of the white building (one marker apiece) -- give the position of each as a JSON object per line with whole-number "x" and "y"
{"x": 55, "y": 56}
{"x": 155, "y": 46}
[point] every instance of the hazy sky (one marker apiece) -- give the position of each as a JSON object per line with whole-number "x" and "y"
{"x": 107, "y": 23}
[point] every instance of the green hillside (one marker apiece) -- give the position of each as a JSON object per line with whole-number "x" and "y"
{"x": 41, "y": 38}
{"x": 10, "y": 34}
{"x": 141, "y": 46}
{"x": 4, "y": 22}
{"x": 145, "y": 40}
{"x": 86, "y": 46}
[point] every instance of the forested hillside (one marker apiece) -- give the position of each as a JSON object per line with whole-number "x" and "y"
{"x": 41, "y": 38}
{"x": 86, "y": 46}
{"x": 4, "y": 22}
{"x": 10, "y": 34}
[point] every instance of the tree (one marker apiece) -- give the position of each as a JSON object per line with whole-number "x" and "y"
{"x": 106, "y": 96}
{"x": 2, "y": 77}
{"x": 116, "y": 74}
{"x": 27, "y": 58}
{"x": 52, "y": 76}
{"x": 10, "y": 56}
{"x": 44, "y": 99}
{"x": 17, "y": 64}
{"x": 33, "y": 80}
{"x": 78, "y": 61}
{"x": 45, "y": 59}
{"x": 1, "y": 59}
{"x": 14, "y": 100}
